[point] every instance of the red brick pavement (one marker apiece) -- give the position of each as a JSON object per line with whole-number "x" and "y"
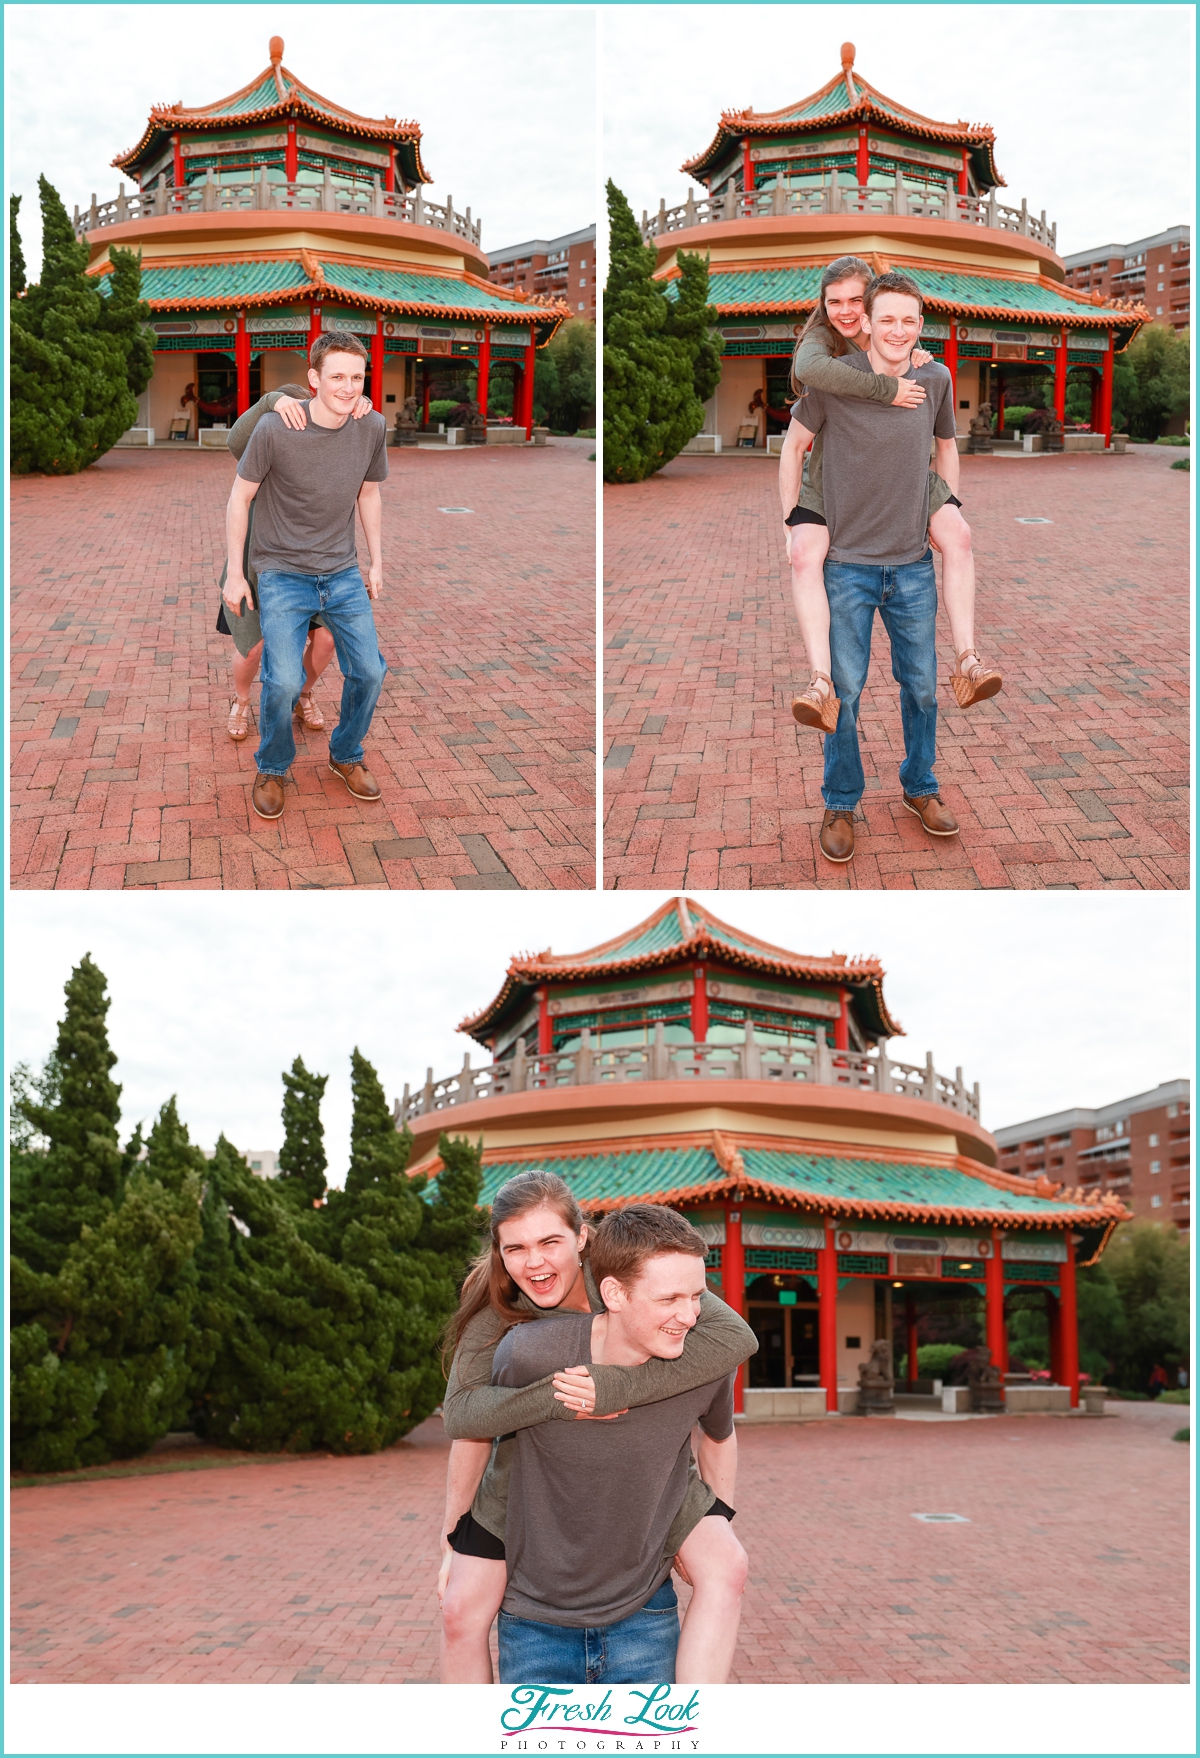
{"x": 1073, "y": 1569}
{"x": 123, "y": 775}
{"x": 1074, "y": 777}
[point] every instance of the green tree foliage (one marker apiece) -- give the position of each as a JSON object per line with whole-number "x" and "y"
{"x": 1150, "y": 383}
{"x": 337, "y": 1311}
{"x": 16, "y": 255}
{"x": 302, "y": 1159}
{"x": 564, "y": 386}
{"x": 692, "y": 319}
{"x": 102, "y": 1278}
{"x": 78, "y": 355}
{"x": 1147, "y": 1264}
{"x": 651, "y": 409}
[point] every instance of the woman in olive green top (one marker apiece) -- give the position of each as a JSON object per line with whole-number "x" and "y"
{"x": 288, "y": 403}
{"x": 534, "y": 1267}
{"x": 835, "y": 327}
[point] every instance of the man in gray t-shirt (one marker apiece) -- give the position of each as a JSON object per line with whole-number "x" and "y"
{"x": 876, "y": 490}
{"x": 589, "y": 1598}
{"x": 307, "y": 486}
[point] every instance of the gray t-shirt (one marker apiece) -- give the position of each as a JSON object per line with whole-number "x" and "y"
{"x": 304, "y": 511}
{"x": 590, "y": 1503}
{"x": 875, "y": 468}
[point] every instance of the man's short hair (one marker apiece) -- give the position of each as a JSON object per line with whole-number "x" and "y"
{"x": 629, "y": 1237}
{"x": 334, "y": 342}
{"x": 892, "y": 282}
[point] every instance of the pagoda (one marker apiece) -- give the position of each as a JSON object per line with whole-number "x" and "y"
{"x": 848, "y": 171}
{"x": 842, "y": 1193}
{"x": 275, "y": 213}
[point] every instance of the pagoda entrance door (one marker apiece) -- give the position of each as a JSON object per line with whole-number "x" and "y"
{"x": 779, "y": 397}
{"x": 782, "y": 1313}
{"x": 216, "y": 388}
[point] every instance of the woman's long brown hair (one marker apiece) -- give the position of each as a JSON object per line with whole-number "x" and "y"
{"x": 488, "y": 1283}
{"x": 846, "y": 268}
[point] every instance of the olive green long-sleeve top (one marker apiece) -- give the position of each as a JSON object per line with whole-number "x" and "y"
{"x": 239, "y": 439}
{"x": 474, "y": 1409}
{"x": 816, "y": 364}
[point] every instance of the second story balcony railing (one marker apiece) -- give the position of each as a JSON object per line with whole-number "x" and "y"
{"x": 590, "y": 1065}
{"x": 934, "y": 203}
{"x": 330, "y": 196}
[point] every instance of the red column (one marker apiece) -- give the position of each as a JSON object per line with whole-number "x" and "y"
{"x": 1054, "y": 1318}
{"x": 545, "y": 1024}
{"x": 963, "y": 185}
{"x": 377, "y": 359}
{"x": 733, "y": 1283}
{"x": 910, "y": 1340}
{"x": 700, "y": 1005}
{"x": 241, "y": 355}
{"x": 314, "y": 326}
{"x": 841, "y": 1025}
{"x": 999, "y": 404}
{"x": 1060, "y": 378}
{"x": 1069, "y": 1324}
{"x": 747, "y": 169}
{"x": 525, "y": 419}
{"x": 424, "y": 395}
{"x": 863, "y": 163}
{"x": 1094, "y": 415}
{"x": 951, "y": 358}
{"x": 827, "y": 1281}
{"x": 177, "y": 162}
{"x": 389, "y": 176}
{"x": 485, "y": 369}
{"x": 1106, "y": 393}
{"x": 996, "y": 1335}
{"x": 291, "y": 160}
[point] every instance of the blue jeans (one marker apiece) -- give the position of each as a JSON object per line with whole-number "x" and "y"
{"x": 286, "y": 601}
{"x": 906, "y": 599}
{"x": 640, "y": 1650}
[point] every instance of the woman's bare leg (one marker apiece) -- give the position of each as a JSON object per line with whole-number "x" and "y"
{"x": 318, "y": 651}
{"x": 245, "y": 670}
{"x": 469, "y": 1605}
{"x": 716, "y": 1565}
{"x": 810, "y": 545}
{"x": 951, "y": 535}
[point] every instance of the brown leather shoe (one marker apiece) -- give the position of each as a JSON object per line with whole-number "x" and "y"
{"x": 938, "y": 819}
{"x": 267, "y": 796}
{"x": 837, "y": 836}
{"x": 361, "y": 783}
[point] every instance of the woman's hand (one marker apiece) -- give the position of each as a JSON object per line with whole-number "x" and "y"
{"x": 681, "y": 1572}
{"x": 909, "y": 394}
{"x": 444, "y": 1570}
{"x": 576, "y": 1388}
{"x": 361, "y": 408}
{"x": 921, "y": 357}
{"x": 291, "y": 411}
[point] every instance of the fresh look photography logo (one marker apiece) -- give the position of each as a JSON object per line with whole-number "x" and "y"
{"x": 569, "y": 1718}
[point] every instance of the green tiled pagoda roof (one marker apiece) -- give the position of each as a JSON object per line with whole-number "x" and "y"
{"x": 824, "y": 1183}
{"x": 412, "y": 287}
{"x": 742, "y": 291}
{"x": 257, "y": 98}
{"x": 229, "y": 282}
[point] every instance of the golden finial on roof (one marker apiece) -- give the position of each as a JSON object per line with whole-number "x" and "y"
{"x": 847, "y": 57}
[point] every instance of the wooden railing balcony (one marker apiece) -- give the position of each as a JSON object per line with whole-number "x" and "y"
{"x": 330, "y": 196}
{"x": 591, "y": 1065}
{"x": 778, "y": 202}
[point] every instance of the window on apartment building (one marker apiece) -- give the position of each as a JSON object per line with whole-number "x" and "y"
{"x": 582, "y": 306}
{"x": 1156, "y": 1202}
{"x": 1158, "y": 311}
{"x": 1172, "y": 1110}
{"x": 1153, "y": 1141}
{"x": 583, "y": 262}
{"x": 1156, "y": 1165}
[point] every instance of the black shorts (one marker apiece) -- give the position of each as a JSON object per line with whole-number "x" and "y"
{"x": 470, "y": 1539}
{"x": 721, "y": 1508}
{"x": 802, "y": 516}
{"x": 224, "y": 629}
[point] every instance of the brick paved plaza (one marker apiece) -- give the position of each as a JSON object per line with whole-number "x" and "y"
{"x": 483, "y": 742}
{"x": 1073, "y": 1568}
{"x": 1075, "y": 776}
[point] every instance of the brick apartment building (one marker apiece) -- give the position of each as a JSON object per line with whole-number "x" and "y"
{"x": 564, "y": 266}
{"x": 1156, "y": 271}
{"x": 1139, "y": 1147}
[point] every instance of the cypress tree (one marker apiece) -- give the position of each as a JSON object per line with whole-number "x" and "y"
{"x": 651, "y": 409}
{"x": 16, "y": 255}
{"x": 103, "y": 1282}
{"x": 693, "y": 320}
{"x": 76, "y": 355}
{"x": 302, "y": 1159}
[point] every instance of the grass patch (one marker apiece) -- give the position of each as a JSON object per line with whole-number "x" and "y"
{"x": 1173, "y": 439}
{"x": 1182, "y": 1434}
{"x": 1180, "y": 1395}
{"x": 1182, "y": 464}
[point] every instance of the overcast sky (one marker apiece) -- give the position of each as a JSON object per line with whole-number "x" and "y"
{"x": 505, "y": 95}
{"x": 1047, "y": 999}
{"x": 1092, "y": 105}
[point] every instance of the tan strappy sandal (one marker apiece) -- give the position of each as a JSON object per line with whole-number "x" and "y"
{"x": 814, "y": 707}
{"x": 976, "y": 683}
{"x": 309, "y": 715}
{"x": 238, "y": 724}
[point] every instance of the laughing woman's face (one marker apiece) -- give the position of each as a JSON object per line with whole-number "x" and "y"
{"x": 541, "y": 1254}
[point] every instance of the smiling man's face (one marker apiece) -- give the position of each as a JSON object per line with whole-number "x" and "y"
{"x": 659, "y": 1306}
{"x": 339, "y": 383}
